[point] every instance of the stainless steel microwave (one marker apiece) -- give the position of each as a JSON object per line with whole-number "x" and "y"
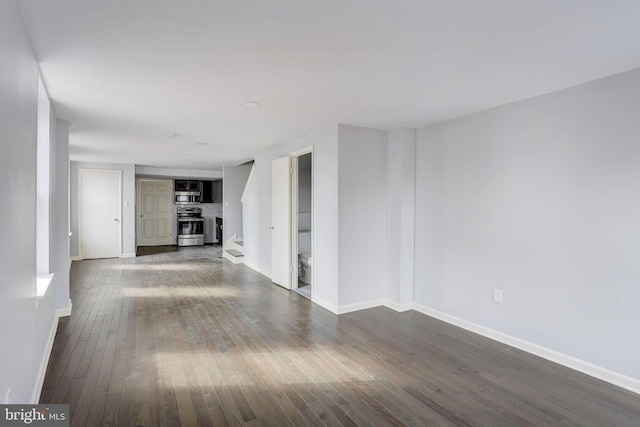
{"x": 187, "y": 197}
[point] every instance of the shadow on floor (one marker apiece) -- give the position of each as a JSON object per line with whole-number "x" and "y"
{"x": 163, "y": 249}
{"x": 153, "y": 250}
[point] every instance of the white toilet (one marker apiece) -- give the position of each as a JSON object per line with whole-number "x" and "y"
{"x": 304, "y": 249}
{"x": 304, "y": 245}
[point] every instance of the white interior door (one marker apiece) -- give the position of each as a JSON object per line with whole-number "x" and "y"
{"x": 154, "y": 212}
{"x": 281, "y": 222}
{"x": 100, "y": 230}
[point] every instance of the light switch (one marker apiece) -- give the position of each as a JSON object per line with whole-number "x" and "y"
{"x": 497, "y": 295}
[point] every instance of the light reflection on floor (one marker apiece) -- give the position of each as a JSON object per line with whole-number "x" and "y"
{"x": 187, "y": 291}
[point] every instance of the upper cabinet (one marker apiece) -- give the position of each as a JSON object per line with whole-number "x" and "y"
{"x": 211, "y": 191}
{"x": 186, "y": 185}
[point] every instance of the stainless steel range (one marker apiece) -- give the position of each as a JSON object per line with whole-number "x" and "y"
{"x": 190, "y": 227}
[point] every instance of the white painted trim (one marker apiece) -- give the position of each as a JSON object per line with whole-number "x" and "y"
{"x": 615, "y": 378}
{"x": 302, "y": 151}
{"x": 324, "y": 304}
{"x": 248, "y": 183}
{"x": 294, "y": 205}
{"x": 65, "y": 311}
{"x": 37, "y": 391}
{"x": 343, "y": 309}
{"x": 35, "y": 396}
{"x": 374, "y": 303}
{"x": 397, "y": 306}
{"x": 257, "y": 269}
{"x": 128, "y": 255}
{"x": 294, "y": 157}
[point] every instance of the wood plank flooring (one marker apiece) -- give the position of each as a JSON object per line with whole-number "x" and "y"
{"x": 186, "y": 338}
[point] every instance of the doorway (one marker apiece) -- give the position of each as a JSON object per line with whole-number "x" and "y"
{"x": 302, "y": 224}
{"x": 99, "y": 216}
{"x": 292, "y": 221}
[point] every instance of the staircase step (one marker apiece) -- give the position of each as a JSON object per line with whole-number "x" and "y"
{"x": 239, "y": 242}
{"x": 235, "y": 252}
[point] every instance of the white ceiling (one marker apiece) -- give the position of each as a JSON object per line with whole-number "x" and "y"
{"x": 127, "y": 73}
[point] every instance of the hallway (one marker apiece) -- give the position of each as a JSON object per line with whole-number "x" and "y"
{"x": 186, "y": 338}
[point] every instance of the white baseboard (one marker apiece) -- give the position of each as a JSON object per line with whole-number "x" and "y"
{"x": 374, "y": 303}
{"x": 76, "y": 258}
{"x": 325, "y": 304}
{"x": 61, "y": 312}
{"x": 615, "y": 378}
{"x": 397, "y": 306}
{"x": 129, "y": 255}
{"x": 343, "y": 309}
{"x": 257, "y": 269}
{"x": 65, "y": 311}
{"x": 35, "y": 396}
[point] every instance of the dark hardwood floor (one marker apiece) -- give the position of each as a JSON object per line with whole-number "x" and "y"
{"x": 183, "y": 337}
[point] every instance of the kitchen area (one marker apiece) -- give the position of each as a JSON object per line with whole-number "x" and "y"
{"x": 197, "y": 212}
{"x": 180, "y": 208}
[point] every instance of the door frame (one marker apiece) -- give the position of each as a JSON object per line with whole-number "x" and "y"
{"x": 80, "y": 214}
{"x": 294, "y": 156}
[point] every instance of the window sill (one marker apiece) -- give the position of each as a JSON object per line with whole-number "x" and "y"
{"x": 42, "y": 284}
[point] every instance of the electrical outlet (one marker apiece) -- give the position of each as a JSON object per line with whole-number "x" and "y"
{"x": 497, "y": 295}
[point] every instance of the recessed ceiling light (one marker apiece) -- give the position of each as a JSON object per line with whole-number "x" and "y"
{"x": 171, "y": 135}
{"x": 250, "y": 104}
{"x": 202, "y": 143}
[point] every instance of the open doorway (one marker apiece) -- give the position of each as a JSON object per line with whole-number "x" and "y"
{"x": 292, "y": 221}
{"x": 302, "y": 223}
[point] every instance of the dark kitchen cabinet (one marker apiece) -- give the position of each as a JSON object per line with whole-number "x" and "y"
{"x": 186, "y": 185}
{"x": 211, "y": 191}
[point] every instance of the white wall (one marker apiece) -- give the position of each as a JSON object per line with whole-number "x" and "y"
{"x": 539, "y": 198}
{"x": 257, "y": 212}
{"x": 153, "y": 172}
{"x": 235, "y": 178}
{"x": 362, "y": 177}
{"x": 28, "y": 322}
{"x": 401, "y": 171}
{"x": 128, "y": 204}
{"x": 60, "y": 213}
